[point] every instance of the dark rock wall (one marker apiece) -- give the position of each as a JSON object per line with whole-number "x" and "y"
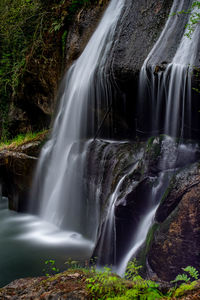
{"x": 138, "y": 31}
{"x": 17, "y": 165}
{"x": 176, "y": 242}
{"x": 34, "y": 105}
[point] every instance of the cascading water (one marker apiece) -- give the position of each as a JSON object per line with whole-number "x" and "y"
{"x": 59, "y": 179}
{"x": 165, "y": 88}
{"x": 80, "y": 195}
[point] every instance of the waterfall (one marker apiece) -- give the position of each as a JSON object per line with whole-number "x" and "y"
{"x": 165, "y": 87}
{"x": 165, "y": 95}
{"x": 61, "y": 188}
{"x": 59, "y": 182}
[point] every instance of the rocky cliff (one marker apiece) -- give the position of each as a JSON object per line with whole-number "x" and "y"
{"x": 173, "y": 241}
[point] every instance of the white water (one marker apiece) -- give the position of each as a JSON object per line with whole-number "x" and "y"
{"x": 59, "y": 182}
{"x": 170, "y": 91}
{"x": 138, "y": 241}
{"x": 108, "y": 233}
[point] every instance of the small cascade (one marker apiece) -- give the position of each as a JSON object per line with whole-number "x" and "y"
{"x": 87, "y": 96}
{"x": 108, "y": 231}
{"x": 165, "y": 89}
{"x": 81, "y": 181}
{"x": 109, "y": 174}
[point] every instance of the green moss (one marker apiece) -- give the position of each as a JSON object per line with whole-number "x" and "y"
{"x": 169, "y": 188}
{"x": 22, "y": 139}
{"x": 144, "y": 251}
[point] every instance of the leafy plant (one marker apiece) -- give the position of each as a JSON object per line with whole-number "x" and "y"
{"x": 29, "y": 30}
{"x": 51, "y": 268}
{"x": 194, "y": 19}
{"x": 194, "y": 275}
{"x": 132, "y": 269}
{"x": 106, "y": 285}
{"x": 188, "y": 281}
{"x": 180, "y": 291}
{"x": 72, "y": 264}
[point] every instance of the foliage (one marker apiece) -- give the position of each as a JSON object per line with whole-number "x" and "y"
{"x": 194, "y": 275}
{"x": 106, "y": 285}
{"x": 50, "y": 268}
{"x": 17, "y": 20}
{"x": 194, "y": 17}
{"x": 132, "y": 270}
{"x": 180, "y": 291}
{"x": 181, "y": 277}
{"x": 28, "y": 29}
{"x": 189, "y": 281}
{"x": 194, "y": 20}
{"x": 72, "y": 264}
{"x": 21, "y": 139}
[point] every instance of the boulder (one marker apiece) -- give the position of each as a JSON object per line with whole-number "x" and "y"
{"x": 176, "y": 240}
{"x": 17, "y": 165}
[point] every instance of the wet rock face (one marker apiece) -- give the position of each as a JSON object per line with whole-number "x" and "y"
{"x": 142, "y": 24}
{"x": 108, "y": 164}
{"x": 128, "y": 215}
{"x": 138, "y": 30}
{"x": 162, "y": 170}
{"x": 17, "y": 165}
{"x": 82, "y": 29}
{"x": 16, "y": 169}
{"x": 176, "y": 243}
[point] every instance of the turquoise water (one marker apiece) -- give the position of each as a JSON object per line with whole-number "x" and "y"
{"x": 26, "y": 242}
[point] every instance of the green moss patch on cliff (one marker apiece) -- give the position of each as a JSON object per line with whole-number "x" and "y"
{"x": 23, "y": 139}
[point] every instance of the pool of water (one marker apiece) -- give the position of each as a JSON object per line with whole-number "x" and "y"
{"x": 26, "y": 242}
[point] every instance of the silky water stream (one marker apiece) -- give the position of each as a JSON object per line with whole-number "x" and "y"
{"x": 166, "y": 89}
{"x": 68, "y": 221}
{"x": 58, "y": 196}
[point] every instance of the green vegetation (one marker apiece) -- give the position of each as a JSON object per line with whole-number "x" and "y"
{"x": 194, "y": 18}
{"x": 22, "y": 139}
{"x": 107, "y": 285}
{"x": 50, "y": 268}
{"x": 29, "y": 31}
{"x": 189, "y": 279}
{"x": 184, "y": 288}
{"x": 194, "y": 275}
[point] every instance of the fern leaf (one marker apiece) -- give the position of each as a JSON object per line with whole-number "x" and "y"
{"x": 181, "y": 277}
{"x": 192, "y": 271}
